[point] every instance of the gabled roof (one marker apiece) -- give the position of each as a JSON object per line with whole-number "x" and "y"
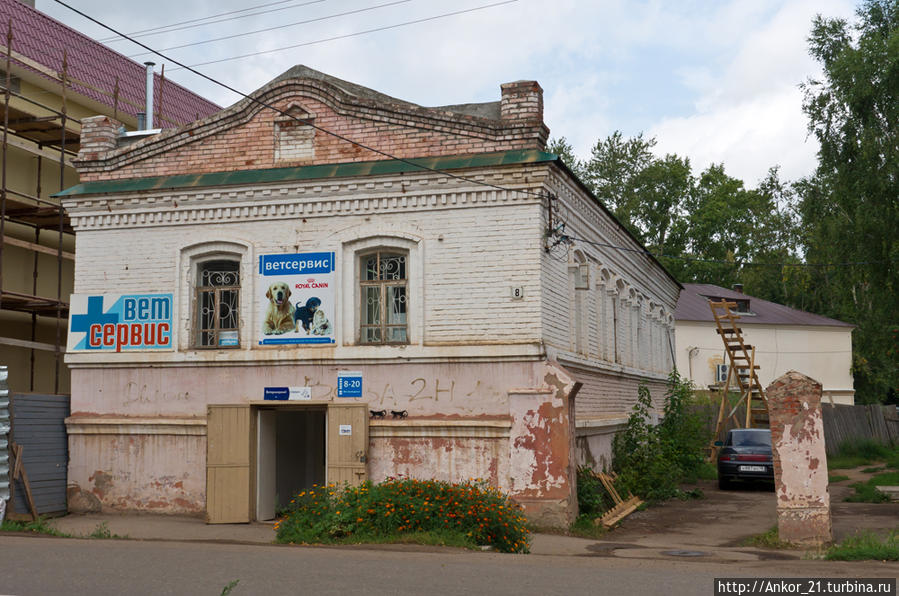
{"x": 93, "y": 69}
{"x": 693, "y": 305}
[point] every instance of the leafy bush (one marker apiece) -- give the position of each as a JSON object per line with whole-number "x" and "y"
{"x": 592, "y": 498}
{"x": 651, "y": 460}
{"x": 469, "y": 513}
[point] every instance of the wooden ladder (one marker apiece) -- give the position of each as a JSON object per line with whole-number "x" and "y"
{"x": 742, "y": 369}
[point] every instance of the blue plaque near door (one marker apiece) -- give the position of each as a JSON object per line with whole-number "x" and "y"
{"x": 349, "y": 384}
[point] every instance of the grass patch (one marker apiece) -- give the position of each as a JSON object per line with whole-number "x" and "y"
{"x": 769, "y": 539}
{"x": 866, "y": 493}
{"x": 866, "y": 547}
{"x": 854, "y": 454}
{"x": 836, "y": 478}
{"x": 874, "y": 470}
{"x": 885, "y": 479}
{"x": 33, "y": 527}
{"x": 585, "y": 527}
{"x": 707, "y": 471}
{"x": 466, "y": 514}
{"x": 231, "y": 585}
{"x": 102, "y": 531}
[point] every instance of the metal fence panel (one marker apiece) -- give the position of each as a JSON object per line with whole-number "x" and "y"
{"x": 38, "y": 425}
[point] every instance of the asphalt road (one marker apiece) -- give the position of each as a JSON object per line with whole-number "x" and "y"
{"x": 39, "y": 565}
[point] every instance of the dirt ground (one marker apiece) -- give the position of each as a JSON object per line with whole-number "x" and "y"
{"x": 728, "y": 518}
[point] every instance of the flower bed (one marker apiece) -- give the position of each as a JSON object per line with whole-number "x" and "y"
{"x": 472, "y": 512}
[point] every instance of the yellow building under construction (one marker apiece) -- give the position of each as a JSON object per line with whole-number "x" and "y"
{"x": 51, "y": 77}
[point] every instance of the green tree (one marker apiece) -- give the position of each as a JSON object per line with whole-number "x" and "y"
{"x": 849, "y": 207}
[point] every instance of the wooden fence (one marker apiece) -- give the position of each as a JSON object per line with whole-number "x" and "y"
{"x": 847, "y": 424}
{"x": 842, "y": 424}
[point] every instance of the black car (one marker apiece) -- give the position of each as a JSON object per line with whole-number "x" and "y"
{"x": 745, "y": 455}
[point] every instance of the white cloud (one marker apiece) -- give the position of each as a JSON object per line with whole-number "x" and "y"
{"x": 748, "y": 115}
{"x": 715, "y": 81}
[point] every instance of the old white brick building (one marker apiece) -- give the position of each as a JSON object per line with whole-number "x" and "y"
{"x": 502, "y": 359}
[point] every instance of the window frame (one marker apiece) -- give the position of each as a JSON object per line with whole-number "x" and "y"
{"x": 197, "y": 289}
{"x": 383, "y": 285}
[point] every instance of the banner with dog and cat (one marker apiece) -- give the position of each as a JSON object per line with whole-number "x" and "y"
{"x": 300, "y": 298}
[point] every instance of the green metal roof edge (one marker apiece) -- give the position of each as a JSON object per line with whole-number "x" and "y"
{"x": 338, "y": 170}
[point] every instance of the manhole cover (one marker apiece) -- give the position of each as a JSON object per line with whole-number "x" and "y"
{"x": 685, "y": 553}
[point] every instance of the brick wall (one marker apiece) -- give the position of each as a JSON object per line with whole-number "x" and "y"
{"x": 244, "y": 136}
{"x": 469, "y": 259}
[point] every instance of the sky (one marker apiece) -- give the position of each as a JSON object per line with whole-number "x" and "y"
{"x": 717, "y": 81}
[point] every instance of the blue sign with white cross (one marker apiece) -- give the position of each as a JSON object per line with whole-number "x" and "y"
{"x": 119, "y": 322}
{"x": 349, "y": 384}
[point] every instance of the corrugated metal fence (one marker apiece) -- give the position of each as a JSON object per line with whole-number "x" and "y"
{"x": 38, "y": 426}
{"x": 4, "y": 439}
{"x": 847, "y": 424}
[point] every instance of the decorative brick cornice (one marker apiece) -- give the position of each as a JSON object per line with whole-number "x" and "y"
{"x": 317, "y": 198}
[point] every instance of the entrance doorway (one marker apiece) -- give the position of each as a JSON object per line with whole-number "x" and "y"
{"x": 260, "y": 453}
{"x": 290, "y": 455}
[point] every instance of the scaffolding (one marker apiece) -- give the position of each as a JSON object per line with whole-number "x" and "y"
{"x": 27, "y": 125}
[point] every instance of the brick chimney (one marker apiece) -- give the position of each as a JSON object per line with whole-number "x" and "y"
{"x": 522, "y": 101}
{"x": 99, "y": 134}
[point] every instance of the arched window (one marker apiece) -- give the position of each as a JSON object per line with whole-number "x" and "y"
{"x": 384, "y": 297}
{"x": 217, "y": 304}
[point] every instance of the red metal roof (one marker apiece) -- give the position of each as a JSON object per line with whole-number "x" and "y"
{"x": 693, "y": 305}
{"x": 94, "y": 68}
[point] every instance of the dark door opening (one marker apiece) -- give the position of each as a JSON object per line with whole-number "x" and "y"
{"x": 290, "y": 456}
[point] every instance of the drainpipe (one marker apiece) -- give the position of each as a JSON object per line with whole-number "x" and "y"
{"x": 149, "y": 108}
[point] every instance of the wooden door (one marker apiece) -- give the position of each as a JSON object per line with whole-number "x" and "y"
{"x": 347, "y": 443}
{"x": 228, "y": 464}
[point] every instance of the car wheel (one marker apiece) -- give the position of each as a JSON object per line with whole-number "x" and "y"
{"x": 723, "y": 483}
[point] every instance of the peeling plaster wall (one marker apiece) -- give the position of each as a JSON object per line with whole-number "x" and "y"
{"x": 141, "y": 446}
{"x": 163, "y": 473}
{"x": 441, "y": 458}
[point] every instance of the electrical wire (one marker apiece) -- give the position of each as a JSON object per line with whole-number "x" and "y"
{"x": 304, "y": 122}
{"x": 346, "y": 36}
{"x": 158, "y": 30}
{"x": 307, "y": 21}
{"x": 561, "y": 237}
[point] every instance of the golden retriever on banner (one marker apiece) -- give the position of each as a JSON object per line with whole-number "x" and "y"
{"x": 279, "y": 315}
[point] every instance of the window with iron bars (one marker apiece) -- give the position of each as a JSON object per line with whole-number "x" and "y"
{"x": 384, "y": 298}
{"x": 217, "y": 312}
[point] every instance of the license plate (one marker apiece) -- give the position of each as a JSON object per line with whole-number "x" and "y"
{"x": 752, "y": 468}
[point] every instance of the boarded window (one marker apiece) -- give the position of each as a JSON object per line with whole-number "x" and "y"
{"x": 294, "y": 137}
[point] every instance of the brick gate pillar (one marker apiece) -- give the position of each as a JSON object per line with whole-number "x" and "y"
{"x": 800, "y": 462}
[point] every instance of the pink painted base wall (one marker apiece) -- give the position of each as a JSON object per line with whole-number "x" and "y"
{"x": 159, "y": 473}
{"x": 507, "y": 423}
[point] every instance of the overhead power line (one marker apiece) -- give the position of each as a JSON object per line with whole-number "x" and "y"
{"x": 307, "y": 21}
{"x": 292, "y": 117}
{"x": 174, "y": 26}
{"x": 561, "y": 238}
{"x": 348, "y": 35}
